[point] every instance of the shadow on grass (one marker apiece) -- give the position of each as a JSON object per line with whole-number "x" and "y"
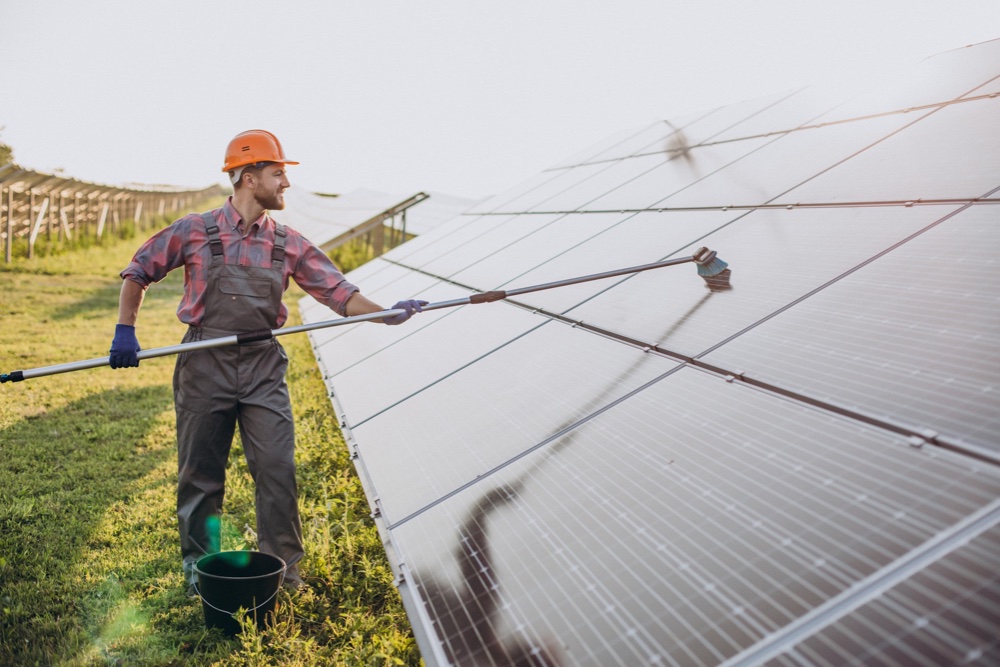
{"x": 61, "y": 474}
{"x": 105, "y": 299}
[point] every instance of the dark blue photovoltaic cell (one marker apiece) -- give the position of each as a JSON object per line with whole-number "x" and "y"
{"x": 682, "y": 525}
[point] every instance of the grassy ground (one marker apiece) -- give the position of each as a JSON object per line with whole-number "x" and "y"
{"x": 89, "y": 556}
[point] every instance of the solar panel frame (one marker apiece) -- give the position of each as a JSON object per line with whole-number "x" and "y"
{"x": 729, "y": 500}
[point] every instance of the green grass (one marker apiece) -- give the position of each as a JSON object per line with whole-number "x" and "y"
{"x": 349, "y": 256}
{"x": 89, "y": 556}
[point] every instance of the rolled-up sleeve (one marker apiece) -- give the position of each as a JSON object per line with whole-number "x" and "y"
{"x": 316, "y": 273}
{"x": 161, "y": 254}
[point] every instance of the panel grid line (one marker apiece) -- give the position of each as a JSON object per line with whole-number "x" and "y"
{"x": 696, "y": 360}
{"x": 836, "y": 608}
{"x": 815, "y": 126}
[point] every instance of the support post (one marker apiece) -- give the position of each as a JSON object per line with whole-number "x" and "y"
{"x": 65, "y": 224}
{"x": 62, "y": 217}
{"x": 378, "y": 240}
{"x": 31, "y": 220}
{"x": 102, "y": 220}
{"x": 9, "y": 229}
{"x": 37, "y": 225}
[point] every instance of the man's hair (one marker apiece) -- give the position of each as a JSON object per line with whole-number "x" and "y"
{"x": 254, "y": 168}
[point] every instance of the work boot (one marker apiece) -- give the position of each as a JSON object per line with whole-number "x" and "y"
{"x": 293, "y": 580}
{"x": 191, "y": 579}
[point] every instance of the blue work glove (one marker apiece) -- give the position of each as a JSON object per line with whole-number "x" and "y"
{"x": 124, "y": 348}
{"x": 411, "y": 306}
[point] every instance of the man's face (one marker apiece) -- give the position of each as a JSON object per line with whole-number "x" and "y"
{"x": 269, "y": 187}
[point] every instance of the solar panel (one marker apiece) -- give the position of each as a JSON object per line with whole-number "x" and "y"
{"x": 323, "y": 219}
{"x": 945, "y": 614}
{"x": 802, "y": 469}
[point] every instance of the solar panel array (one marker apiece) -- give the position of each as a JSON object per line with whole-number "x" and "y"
{"x": 804, "y": 469}
{"x": 323, "y": 219}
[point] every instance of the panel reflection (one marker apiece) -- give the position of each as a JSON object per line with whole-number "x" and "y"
{"x": 680, "y": 526}
{"x": 469, "y": 614}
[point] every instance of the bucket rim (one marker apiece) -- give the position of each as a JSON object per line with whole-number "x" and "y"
{"x": 198, "y": 570}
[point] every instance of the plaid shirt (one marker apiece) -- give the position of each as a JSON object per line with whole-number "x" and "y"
{"x": 185, "y": 243}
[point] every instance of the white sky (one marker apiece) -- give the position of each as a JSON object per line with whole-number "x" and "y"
{"x": 466, "y": 97}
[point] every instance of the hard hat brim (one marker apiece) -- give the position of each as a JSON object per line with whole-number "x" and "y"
{"x": 237, "y": 166}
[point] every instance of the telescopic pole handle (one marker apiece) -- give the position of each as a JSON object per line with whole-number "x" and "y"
{"x": 17, "y": 376}
{"x": 222, "y": 341}
{"x": 479, "y": 297}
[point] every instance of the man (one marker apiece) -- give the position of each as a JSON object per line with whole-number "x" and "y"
{"x": 237, "y": 264}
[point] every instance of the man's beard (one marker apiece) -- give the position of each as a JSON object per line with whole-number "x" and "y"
{"x": 269, "y": 200}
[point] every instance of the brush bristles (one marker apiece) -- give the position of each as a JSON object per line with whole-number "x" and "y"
{"x": 712, "y": 268}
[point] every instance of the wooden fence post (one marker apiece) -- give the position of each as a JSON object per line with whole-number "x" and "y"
{"x": 8, "y": 240}
{"x": 65, "y": 224}
{"x": 6, "y": 230}
{"x": 50, "y": 220}
{"x": 31, "y": 217}
{"x": 37, "y": 225}
{"x": 102, "y": 220}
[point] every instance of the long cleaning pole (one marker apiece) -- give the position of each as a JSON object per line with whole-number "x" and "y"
{"x": 710, "y": 267}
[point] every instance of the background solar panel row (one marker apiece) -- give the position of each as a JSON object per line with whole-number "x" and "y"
{"x": 640, "y": 470}
{"x": 323, "y": 218}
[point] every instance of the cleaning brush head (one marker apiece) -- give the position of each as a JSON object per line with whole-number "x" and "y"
{"x": 713, "y": 270}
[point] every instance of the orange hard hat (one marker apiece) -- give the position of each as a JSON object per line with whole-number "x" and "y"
{"x": 254, "y": 146}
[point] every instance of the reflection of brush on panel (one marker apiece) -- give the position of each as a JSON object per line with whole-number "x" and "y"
{"x": 677, "y": 145}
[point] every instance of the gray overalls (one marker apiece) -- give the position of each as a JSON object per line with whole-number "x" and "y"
{"x": 244, "y": 384}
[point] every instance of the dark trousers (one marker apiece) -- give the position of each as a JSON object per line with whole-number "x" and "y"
{"x": 214, "y": 391}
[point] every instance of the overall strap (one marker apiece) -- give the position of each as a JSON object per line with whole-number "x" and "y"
{"x": 212, "y": 229}
{"x": 278, "y": 253}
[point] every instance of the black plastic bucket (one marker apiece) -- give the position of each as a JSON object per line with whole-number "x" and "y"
{"x": 233, "y": 580}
